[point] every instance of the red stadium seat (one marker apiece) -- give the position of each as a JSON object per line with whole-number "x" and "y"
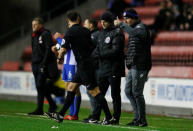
{"x": 147, "y": 11}
{"x": 26, "y": 55}
{"x": 27, "y": 66}
{"x": 157, "y": 2}
{"x": 148, "y": 21}
{"x": 172, "y": 55}
{"x": 188, "y": 1}
{"x": 11, "y": 66}
{"x": 174, "y": 38}
{"x": 152, "y": 2}
{"x": 97, "y": 13}
{"x": 127, "y": 1}
{"x": 172, "y": 72}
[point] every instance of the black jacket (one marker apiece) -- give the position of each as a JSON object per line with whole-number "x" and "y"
{"x": 139, "y": 46}
{"x": 110, "y": 52}
{"x": 41, "y": 52}
{"x": 94, "y": 37}
{"x": 78, "y": 39}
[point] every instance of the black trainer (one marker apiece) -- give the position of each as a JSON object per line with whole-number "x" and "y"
{"x": 93, "y": 121}
{"x": 142, "y": 124}
{"x": 85, "y": 120}
{"x": 56, "y": 116}
{"x": 105, "y": 121}
{"x": 134, "y": 122}
{"x": 114, "y": 121}
{"x": 36, "y": 112}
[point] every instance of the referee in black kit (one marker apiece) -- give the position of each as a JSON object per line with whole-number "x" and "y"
{"x": 44, "y": 64}
{"x": 109, "y": 50}
{"x": 78, "y": 39}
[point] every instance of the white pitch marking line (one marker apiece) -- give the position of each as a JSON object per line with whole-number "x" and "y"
{"x": 29, "y": 117}
{"x": 26, "y": 116}
{"x": 117, "y": 126}
{"x": 169, "y": 119}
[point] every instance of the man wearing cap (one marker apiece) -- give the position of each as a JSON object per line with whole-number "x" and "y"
{"x": 111, "y": 63}
{"x": 138, "y": 61}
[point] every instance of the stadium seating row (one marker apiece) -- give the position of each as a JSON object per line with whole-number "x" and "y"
{"x": 147, "y": 21}
{"x": 172, "y": 55}
{"x": 156, "y": 71}
{"x": 144, "y": 12}
{"x": 174, "y": 38}
{"x": 157, "y": 2}
{"x": 161, "y": 55}
{"x": 10, "y": 66}
{"x": 26, "y": 54}
{"x": 172, "y": 72}
{"x": 16, "y": 66}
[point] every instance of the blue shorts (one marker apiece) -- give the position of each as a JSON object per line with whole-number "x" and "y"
{"x": 68, "y": 72}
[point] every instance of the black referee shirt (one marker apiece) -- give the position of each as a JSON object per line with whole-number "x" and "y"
{"x": 78, "y": 39}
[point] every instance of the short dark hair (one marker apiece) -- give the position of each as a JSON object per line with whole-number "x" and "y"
{"x": 73, "y": 16}
{"x": 39, "y": 19}
{"x": 94, "y": 22}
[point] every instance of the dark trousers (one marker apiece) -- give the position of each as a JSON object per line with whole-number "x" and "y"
{"x": 114, "y": 82}
{"x": 50, "y": 88}
{"x": 41, "y": 84}
{"x": 92, "y": 100}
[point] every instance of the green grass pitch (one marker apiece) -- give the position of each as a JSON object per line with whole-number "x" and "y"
{"x": 13, "y": 118}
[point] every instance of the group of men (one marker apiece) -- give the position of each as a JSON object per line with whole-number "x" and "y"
{"x": 100, "y": 62}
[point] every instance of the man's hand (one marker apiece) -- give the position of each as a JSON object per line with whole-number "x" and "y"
{"x": 60, "y": 61}
{"x": 54, "y": 48}
{"x": 57, "y": 34}
{"x": 61, "y": 53}
{"x": 117, "y": 22}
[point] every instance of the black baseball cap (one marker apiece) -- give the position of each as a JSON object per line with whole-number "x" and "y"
{"x": 107, "y": 16}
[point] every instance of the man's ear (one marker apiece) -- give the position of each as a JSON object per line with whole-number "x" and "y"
{"x": 67, "y": 20}
{"x": 91, "y": 25}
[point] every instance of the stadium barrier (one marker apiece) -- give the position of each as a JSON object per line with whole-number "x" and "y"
{"x": 174, "y": 94}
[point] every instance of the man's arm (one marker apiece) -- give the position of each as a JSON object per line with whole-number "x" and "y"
{"x": 138, "y": 31}
{"x": 61, "y": 54}
{"x": 61, "y": 46}
{"x": 126, "y": 27}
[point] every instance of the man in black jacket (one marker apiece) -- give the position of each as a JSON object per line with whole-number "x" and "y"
{"x": 138, "y": 61}
{"x": 79, "y": 40}
{"x": 111, "y": 62}
{"x": 44, "y": 64}
{"x": 91, "y": 24}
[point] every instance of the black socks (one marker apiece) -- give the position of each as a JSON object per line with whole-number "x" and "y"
{"x": 68, "y": 101}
